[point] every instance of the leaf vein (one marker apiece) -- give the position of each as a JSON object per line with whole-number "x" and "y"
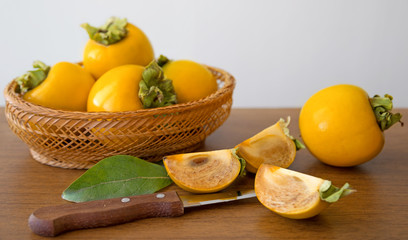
{"x": 119, "y": 181}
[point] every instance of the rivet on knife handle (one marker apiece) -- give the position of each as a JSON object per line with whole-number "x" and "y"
{"x": 53, "y": 220}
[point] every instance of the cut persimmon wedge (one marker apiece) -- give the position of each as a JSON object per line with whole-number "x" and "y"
{"x": 293, "y": 194}
{"x": 203, "y": 172}
{"x": 272, "y": 145}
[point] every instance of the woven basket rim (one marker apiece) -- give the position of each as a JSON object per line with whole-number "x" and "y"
{"x": 15, "y": 99}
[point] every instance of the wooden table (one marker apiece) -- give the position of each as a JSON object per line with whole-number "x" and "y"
{"x": 378, "y": 210}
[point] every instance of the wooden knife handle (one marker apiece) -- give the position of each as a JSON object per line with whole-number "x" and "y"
{"x": 53, "y": 220}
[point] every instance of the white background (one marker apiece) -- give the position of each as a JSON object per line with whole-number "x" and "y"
{"x": 280, "y": 52}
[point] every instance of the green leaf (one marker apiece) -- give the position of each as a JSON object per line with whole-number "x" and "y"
{"x": 117, "y": 176}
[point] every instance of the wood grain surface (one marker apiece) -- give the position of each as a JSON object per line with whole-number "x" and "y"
{"x": 378, "y": 210}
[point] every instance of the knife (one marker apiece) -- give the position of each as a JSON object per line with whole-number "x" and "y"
{"x": 53, "y": 220}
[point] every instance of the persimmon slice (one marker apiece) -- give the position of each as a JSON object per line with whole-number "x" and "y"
{"x": 293, "y": 194}
{"x": 203, "y": 172}
{"x": 272, "y": 145}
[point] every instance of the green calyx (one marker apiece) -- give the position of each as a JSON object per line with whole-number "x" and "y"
{"x": 242, "y": 171}
{"x": 154, "y": 89}
{"x": 331, "y": 193}
{"x": 284, "y": 124}
{"x": 33, "y": 78}
{"x": 382, "y": 107}
{"x": 111, "y": 32}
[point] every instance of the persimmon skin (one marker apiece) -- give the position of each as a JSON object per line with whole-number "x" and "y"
{"x": 339, "y": 127}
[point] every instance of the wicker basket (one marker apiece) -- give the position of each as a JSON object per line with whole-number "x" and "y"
{"x": 80, "y": 139}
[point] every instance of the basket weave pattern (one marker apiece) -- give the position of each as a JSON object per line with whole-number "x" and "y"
{"x": 80, "y": 139}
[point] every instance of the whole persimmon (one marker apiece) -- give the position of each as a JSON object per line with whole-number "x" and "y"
{"x": 114, "y": 44}
{"x": 342, "y": 126}
{"x": 191, "y": 80}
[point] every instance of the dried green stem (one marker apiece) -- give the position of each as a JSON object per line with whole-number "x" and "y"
{"x": 299, "y": 145}
{"x": 242, "y": 172}
{"x": 111, "y": 32}
{"x": 331, "y": 193}
{"x": 154, "y": 89}
{"x": 382, "y": 107}
{"x": 162, "y": 60}
{"x": 33, "y": 78}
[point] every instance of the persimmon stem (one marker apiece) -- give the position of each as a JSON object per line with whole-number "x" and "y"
{"x": 382, "y": 107}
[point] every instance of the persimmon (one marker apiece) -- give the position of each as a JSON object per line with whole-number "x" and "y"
{"x": 114, "y": 44}
{"x": 65, "y": 87}
{"x": 117, "y": 90}
{"x": 342, "y": 126}
{"x": 191, "y": 80}
{"x": 129, "y": 88}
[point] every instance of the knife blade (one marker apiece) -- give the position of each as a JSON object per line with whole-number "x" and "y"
{"x": 53, "y": 220}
